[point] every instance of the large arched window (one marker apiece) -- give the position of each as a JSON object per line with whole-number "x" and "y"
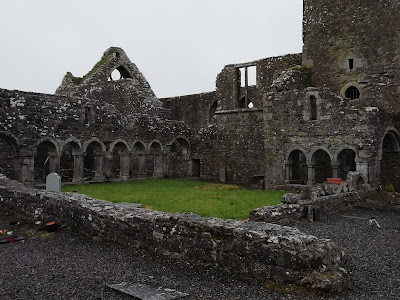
{"x": 352, "y": 93}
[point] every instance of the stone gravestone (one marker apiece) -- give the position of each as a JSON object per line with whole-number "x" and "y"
{"x": 53, "y": 182}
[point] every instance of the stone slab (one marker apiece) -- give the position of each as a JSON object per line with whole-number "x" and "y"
{"x": 53, "y": 182}
{"x": 147, "y": 292}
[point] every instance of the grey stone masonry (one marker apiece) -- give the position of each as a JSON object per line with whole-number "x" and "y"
{"x": 257, "y": 251}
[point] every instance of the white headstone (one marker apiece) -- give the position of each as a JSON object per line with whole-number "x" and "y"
{"x": 53, "y": 182}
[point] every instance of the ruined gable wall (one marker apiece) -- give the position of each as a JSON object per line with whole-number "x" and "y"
{"x": 366, "y": 31}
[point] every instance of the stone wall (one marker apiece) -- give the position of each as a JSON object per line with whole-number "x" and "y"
{"x": 354, "y": 43}
{"x": 254, "y": 250}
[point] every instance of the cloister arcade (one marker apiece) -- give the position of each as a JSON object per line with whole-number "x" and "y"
{"x": 94, "y": 160}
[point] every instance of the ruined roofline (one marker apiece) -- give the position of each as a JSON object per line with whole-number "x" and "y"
{"x": 107, "y": 55}
{"x": 262, "y": 60}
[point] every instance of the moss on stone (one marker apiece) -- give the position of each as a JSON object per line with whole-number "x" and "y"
{"x": 105, "y": 58}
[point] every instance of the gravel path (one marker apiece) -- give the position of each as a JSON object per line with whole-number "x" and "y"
{"x": 65, "y": 266}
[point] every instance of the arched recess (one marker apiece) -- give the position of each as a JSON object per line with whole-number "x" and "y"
{"x": 138, "y": 166}
{"x": 71, "y": 162}
{"x": 9, "y": 150}
{"x": 296, "y": 167}
{"x": 346, "y": 162}
{"x": 93, "y": 161}
{"x": 46, "y": 160}
{"x": 119, "y": 160}
{"x": 322, "y": 165}
{"x": 119, "y": 73}
{"x": 155, "y": 160}
{"x": 180, "y": 158}
{"x": 390, "y": 162}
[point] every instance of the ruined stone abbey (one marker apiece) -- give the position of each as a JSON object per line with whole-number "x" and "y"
{"x": 306, "y": 117}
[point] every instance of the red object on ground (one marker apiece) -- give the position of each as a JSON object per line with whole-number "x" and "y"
{"x": 10, "y": 239}
{"x": 50, "y": 223}
{"x": 335, "y": 180}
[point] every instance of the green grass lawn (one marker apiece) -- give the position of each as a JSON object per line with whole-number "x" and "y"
{"x": 174, "y": 195}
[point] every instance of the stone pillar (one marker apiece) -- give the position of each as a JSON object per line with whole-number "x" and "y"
{"x": 27, "y": 169}
{"x": 54, "y": 162}
{"x": 311, "y": 174}
{"x": 141, "y": 161}
{"x": 288, "y": 173}
{"x": 363, "y": 167}
{"x": 158, "y": 166}
{"x": 124, "y": 166}
{"x": 98, "y": 167}
{"x": 335, "y": 170}
{"x": 78, "y": 168}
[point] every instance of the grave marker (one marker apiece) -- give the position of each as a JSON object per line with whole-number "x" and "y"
{"x": 53, "y": 182}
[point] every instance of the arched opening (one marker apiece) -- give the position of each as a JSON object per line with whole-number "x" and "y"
{"x": 139, "y": 160}
{"x": 45, "y": 161}
{"x": 119, "y": 162}
{"x": 346, "y": 163}
{"x": 298, "y": 172}
{"x": 155, "y": 160}
{"x": 68, "y": 161}
{"x": 352, "y": 93}
{"x": 390, "y": 163}
{"x": 322, "y": 166}
{"x": 93, "y": 162}
{"x": 8, "y": 151}
{"x": 119, "y": 73}
{"x": 180, "y": 158}
{"x": 313, "y": 107}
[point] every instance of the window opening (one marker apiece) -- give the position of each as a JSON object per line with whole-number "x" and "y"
{"x": 351, "y": 64}
{"x": 248, "y": 77}
{"x": 119, "y": 73}
{"x": 352, "y": 93}
{"x": 313, "y": 104}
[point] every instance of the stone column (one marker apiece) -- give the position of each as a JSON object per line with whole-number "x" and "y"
{"x": 288, "y": 173}
{"x": 311, "y": 174}
{"x": 98, "y": 167}
{"x": 124, "y": 166}
{"x": 363, "y": 167}
{"x": 141, "y": 160}
{"x": 54, "y": 161}
{"x": 335, "y": 170}
{"x": 78, "y": 168}
{"x": 27, "y": 170}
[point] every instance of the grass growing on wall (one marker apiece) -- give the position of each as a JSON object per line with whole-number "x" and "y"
{"x": 174, "y": 195}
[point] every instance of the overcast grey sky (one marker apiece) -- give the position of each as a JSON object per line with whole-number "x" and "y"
{"x": 179, "y": 45}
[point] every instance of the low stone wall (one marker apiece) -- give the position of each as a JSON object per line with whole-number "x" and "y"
{"x": 255, "y": 250}
{"x": 312, "y": 203}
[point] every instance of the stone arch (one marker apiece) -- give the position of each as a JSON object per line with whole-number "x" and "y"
{"x": 86, "y": 144}
{"x": 352, "y": 88}
{"x": 346, "y": 161}
{"x": 321, "y": 162}
{"x": 118, "y": 160}
{"x": 94, "y": 151}
{"x": 138, "y": 166}
{"x": 155, "y": 163}
{"x": 46, "y": 159}
{"x": 389, "y": 156}
{"x": 296, "y": 166}
{"x": 9, "y": 151}
{"x": 120, "y": 72}
{"x": 71, "y": 161}
{"x": 179, "y": 157}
